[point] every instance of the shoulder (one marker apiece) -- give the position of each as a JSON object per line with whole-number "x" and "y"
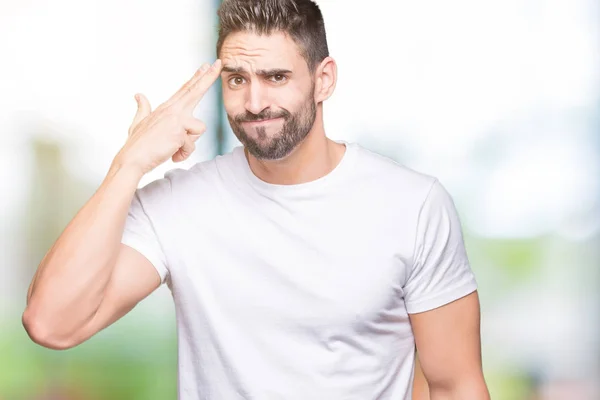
{"x": 383, "y": 173}
{"x": 202, "y": 171}
{"x": 181, "y": 182}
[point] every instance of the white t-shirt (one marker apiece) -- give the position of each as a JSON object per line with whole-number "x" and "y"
{"x": 300, "y": 292}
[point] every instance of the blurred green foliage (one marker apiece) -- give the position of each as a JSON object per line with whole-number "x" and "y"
{"x": 129, "y": 363}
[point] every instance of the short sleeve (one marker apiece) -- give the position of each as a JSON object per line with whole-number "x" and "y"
{"x": 440, "y": 272}
{"x": 140, "y": 231}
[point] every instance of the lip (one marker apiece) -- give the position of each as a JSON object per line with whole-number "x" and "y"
{"x": 261, "y": 122}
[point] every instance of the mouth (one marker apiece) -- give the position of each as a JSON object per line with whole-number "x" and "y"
{"x": 261, "y": 122}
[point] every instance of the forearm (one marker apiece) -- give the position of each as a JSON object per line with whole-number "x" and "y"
{"x": 68, "y": 286}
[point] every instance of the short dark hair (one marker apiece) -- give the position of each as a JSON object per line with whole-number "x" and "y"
{"x": 302, "y": 20}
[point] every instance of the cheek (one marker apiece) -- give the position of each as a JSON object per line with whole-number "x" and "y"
{"x": 289, "y": 98}
{"x": 233, "y": 101}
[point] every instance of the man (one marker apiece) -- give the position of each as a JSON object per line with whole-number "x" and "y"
{"x": 301, "y": 267}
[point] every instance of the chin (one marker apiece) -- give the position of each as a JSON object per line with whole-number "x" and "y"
{"x": 272, "y": 154}
{"x": 265, "y": 156}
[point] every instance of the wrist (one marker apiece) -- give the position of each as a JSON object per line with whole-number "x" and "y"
{"x": 126, "y": 172}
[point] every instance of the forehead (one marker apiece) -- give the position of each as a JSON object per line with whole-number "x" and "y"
{"x": 252, "y": 51}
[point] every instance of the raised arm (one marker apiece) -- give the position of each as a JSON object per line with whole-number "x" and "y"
{"x": 88, "y": 279}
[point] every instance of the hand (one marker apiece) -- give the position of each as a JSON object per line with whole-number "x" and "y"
{"x": 170, "y": 131}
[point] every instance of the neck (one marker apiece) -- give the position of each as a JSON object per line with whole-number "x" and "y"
{"x": 312, "y": 159}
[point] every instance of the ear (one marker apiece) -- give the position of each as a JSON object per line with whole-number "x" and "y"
{"x": 325, "y": 79}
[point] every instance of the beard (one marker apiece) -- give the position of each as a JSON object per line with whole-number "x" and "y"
{"x": 296, "y": 127}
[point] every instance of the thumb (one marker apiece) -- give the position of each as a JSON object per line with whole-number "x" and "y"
{"x": 143, "y": 109}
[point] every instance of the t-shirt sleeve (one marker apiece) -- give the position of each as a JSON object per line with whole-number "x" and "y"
{"x": 441, "y": 272}
{"x": 140, "y": 231}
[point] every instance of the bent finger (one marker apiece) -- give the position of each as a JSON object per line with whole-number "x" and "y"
{"x": 184, "y": 151}
{"x": 194, "y": 127}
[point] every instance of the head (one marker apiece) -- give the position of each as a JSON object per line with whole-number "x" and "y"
{"x": 276, "y": 72}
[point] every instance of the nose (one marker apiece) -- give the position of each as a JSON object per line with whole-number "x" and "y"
{"x": 256, "y": 98}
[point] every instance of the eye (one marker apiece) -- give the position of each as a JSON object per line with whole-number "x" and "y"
{"x": 236, "y": 81}
{"x": 278, "y": 78}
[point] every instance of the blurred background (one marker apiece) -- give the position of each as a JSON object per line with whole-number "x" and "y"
{"x": 499, "y": 99}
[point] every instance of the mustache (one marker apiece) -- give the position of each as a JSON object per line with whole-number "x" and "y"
{"x": 265, "y": 114}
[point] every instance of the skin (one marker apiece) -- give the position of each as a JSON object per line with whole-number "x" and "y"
{"x": 88, "y": 279}
{"x": 449, "y": 348}
{"x": 247, "y": 90}
{"x": 420, "y": 386}
{"x": 447, "y": 338}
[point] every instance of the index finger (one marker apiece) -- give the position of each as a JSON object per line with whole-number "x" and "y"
{"x": 183, "y": 89}
{"x": 193, "y": 93}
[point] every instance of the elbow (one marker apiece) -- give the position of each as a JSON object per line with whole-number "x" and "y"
{"x": 43, "y": 333}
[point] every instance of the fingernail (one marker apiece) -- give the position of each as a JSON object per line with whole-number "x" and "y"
{"x": 205, "y": 67}
{"x": 216, "y": 63}
{"x": 137, "y": 97}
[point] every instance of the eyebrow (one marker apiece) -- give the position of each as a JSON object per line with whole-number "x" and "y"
{"x": 259, "y": 72}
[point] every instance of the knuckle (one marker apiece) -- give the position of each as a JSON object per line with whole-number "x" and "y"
{"x": 188, "y": 88}
{"x": 198, "y": 128}
{"x": 172, "y": 118}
